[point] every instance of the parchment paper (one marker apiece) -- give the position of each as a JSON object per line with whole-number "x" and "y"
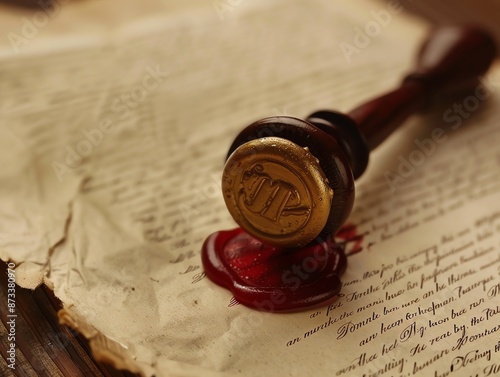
{"x": 113, "y": 140}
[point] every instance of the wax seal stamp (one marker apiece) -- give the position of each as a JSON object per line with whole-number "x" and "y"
{"x": 450, "y": 61}
{"x": 289, "y": 183}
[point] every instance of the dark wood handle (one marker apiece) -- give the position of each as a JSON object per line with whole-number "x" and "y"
{"x": 450, "y": 60}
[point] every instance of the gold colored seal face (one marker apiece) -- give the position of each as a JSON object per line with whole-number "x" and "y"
{"x": 277, "y": 192}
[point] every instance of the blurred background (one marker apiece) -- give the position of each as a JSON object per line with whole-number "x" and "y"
{"x": 99, "y": 14}
{"x": 68, "y": 19}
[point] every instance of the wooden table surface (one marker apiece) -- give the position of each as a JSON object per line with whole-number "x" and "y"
{"x": 45, "y": 348}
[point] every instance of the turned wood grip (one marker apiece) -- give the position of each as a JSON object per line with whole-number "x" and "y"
{"x": 453, "y": 57}
{"x": 450, "y": 60}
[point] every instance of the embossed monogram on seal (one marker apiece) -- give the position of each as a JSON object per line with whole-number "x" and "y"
{"x": 274, "y": 202}
{"x": 274, "y": 193}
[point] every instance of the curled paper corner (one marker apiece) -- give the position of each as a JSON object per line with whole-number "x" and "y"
{"x": 29, "y": 275}
{"x": 103, "y": 349}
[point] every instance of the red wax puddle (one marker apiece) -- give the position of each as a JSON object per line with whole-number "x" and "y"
{"x": 271, "y": 278}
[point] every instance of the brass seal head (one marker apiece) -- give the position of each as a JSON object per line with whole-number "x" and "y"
{"x": 277, "y": 191}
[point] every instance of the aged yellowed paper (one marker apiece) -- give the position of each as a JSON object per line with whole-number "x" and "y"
{"x": 112, "y": 149}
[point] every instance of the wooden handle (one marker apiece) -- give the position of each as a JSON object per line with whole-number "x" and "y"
{"x": 451, "y": 59}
